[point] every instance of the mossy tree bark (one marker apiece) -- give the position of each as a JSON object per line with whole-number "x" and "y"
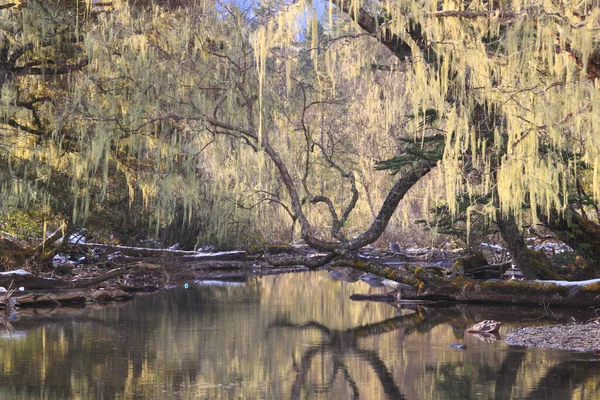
{"x": 432, "y": 286}
{"x": 579, "y": 232}
{"x": 533, "y": 264}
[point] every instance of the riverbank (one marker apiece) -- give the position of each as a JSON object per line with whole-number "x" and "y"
{"x": 119, "y": 280}
{"x": 91, "y": 272}
{"x": 582, "y": 337}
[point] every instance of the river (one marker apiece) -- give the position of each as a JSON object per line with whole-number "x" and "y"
{"x": 291, "y": 336}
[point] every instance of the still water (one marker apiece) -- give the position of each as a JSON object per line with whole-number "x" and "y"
{"x": 294, "y": 336}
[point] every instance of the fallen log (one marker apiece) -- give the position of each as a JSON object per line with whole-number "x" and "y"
{"x": 32, "y": 314}
{"x": 222, "y": 265}
{"x": 22, "y": 278}
{"x": 384, "y": 297}
{"x": 388, "y": 298}
{"x": 86, "y": 282}
{"x": 584, "y": 293}
{"x": 310, "y": 261}
{"x": 71, "y": 296}
{"x": 148, "y": 252}
{"x": 432, "y": 287}
{"x": 195, "y": 264}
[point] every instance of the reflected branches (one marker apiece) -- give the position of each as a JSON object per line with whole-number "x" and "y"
{"x": 340, "y": 353}
{"x": 340, "y": 344}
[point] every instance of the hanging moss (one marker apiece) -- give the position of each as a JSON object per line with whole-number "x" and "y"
{"x": 153, "y": 79}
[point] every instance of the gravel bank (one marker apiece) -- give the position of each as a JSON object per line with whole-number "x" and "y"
{"x": 573, "y": 337}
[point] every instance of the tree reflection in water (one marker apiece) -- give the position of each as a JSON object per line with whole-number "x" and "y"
{"x": 453, "y": 380}
{"x": 341, "y": 344}
{"x": 281, "y": 338}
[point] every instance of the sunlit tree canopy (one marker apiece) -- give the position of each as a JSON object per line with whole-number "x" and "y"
{"x": 278, "y": 111}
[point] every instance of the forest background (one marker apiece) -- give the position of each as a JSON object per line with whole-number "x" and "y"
{"x": 231, "y": 123}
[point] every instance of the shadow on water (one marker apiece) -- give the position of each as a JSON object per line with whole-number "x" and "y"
{"x": 293, "y": 336}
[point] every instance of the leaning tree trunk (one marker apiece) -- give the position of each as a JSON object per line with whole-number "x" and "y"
{"x": 533, "y": 264}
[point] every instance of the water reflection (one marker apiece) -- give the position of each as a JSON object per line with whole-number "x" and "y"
{"x": 293, "y": 336}
{"x": 338, "y": 346}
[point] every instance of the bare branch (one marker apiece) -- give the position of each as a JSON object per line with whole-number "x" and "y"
{"x": 25, "y": 128}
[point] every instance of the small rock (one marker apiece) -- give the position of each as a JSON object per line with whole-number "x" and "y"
{"x": 395, "y": 247}
{"x": 372, "y": 280}
{"x": 457, "y": 346}
{"x": 486, "y": 326}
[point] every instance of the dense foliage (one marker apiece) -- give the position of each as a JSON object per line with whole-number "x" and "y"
{"x": 219, "y": 115}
